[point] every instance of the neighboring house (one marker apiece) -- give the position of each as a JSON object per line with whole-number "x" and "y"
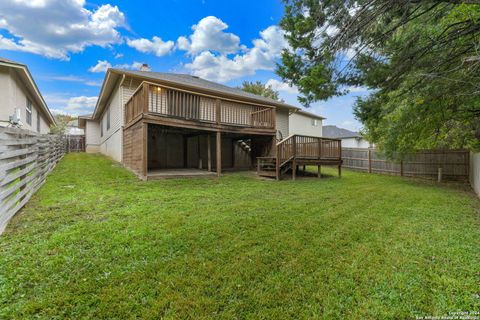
{"x": 73, "y": 129}
{"x": 19, "y": 95}
{"x": 350, "y": 139}
{"x": 305, "y": 123}
{"x": 150, "y": 121}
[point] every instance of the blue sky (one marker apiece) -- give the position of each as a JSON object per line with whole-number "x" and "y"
{"x": 68, "y": 44}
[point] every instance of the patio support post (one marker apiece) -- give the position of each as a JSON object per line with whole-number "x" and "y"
{"x": 185, "y": 151}
{"x": 209, "y": 153}
{"x": 219, "y": 153}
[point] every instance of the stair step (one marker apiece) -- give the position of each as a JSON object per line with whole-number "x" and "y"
{"x": 267, "y": 173}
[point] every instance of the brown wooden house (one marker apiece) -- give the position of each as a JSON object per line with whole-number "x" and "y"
{"x": 164, "y": 124}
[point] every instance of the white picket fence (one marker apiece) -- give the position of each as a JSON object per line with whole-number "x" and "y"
{"x": 26, "y": 158}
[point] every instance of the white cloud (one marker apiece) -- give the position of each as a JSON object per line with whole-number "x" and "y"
{"x": 104, "y": 65}
{"x": 156, "y": 46}
{"x": 261, "y": 56}
{"x": 72, "y": 78}
{"x": 56, "y": 28}
{"x": 355, "y": 89}
{"x": 81, "y": 104}
{"x": 282, "y": 86}
{"x": 209, "y": 34}
{"x": 101, "y": 66}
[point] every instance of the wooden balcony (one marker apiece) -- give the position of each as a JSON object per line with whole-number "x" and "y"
{"x": 171, "y": 106}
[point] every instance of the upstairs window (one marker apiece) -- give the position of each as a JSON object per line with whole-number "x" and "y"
{"x": 38, "y": 121}
{"x": 315, "y": 122}
{"x": 29, "y": 112}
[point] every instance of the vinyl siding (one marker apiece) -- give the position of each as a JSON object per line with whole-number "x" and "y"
{"x": 355, "y": 143}
{"x": 282, "y": 122}
{"x": 13, "y": 94}
{"x": 302, "y": 124}
{"x": 111, "y": 141}
{"x": 92, "y": 137}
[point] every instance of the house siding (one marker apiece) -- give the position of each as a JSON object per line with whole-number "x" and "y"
{"x": 282, "y": 122}
{"x": 92, "y": 136}
{"x": 111, "y": 141}
{"x": 355, "y": 143}
{"x": 13, "y": 94}
{"x": 302, "y": 124}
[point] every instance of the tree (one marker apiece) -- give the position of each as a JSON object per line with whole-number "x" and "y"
{"x": 62, "y": 121}
{"x": 260, "y": 89}
{"x": 420, "y": 59}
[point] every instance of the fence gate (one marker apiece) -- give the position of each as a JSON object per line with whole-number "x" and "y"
{"x": 75, "y": 143}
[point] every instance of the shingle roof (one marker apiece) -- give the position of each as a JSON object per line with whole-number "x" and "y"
{"x": 336, "y": 132}
{"x": 10, "y": 61}
{"x": 193, "y": 81}
{"x": 310, "y": 114}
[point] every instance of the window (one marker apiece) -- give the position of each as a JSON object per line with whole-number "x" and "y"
{"x": 101, "y": 128}
{"x": 38, "y": 121}
{"x": 108, "y": 118}
{"x": 314, "y": 122}
{"x": 29, "y": 112}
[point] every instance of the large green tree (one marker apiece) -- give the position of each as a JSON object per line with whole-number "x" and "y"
{"x": 421, "y": 60}
{"x": 260, "y": 89}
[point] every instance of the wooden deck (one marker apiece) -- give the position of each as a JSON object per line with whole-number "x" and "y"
{"x": 161, "y": 105}
{"x": 181, "y": 108}
{"x": 298, "y": 150}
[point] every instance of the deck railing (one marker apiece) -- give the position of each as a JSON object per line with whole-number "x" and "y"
{"x": 163, "y": 101}
{"x": 306, "y": 147}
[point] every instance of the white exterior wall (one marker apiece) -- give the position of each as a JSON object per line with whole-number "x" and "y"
{"x": 92, "y": 136}
{"x": 13, "y": 94}
{"x": 475, "y": 172}
{"x": 111, "y": 141}
{"x": 302, "y": 124}
{"x": 355, "y": 143}
{"x": 282, "y": 122}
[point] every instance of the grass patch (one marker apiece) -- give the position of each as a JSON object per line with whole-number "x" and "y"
{"x": 95, "y": 242}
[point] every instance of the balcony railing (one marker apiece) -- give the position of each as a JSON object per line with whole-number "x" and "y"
{"x": 167, "y": 102}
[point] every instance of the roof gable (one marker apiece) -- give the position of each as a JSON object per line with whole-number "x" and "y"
{"x": 27, "y": 78}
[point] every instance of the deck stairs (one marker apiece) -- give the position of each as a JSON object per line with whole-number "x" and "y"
{"x": 298, "y": 150}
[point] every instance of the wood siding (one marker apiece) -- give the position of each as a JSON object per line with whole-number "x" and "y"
{"x": 133, "y": 148}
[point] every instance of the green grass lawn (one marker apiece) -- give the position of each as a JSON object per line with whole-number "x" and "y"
{"x": 95, "y": 242}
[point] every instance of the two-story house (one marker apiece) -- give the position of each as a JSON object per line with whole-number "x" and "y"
{"x": 161, "y": 124}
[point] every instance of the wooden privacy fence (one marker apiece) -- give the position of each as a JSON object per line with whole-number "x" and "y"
{"x": 25, "y": 160}
{"x": 433, "y": 164}
{"x": 75, "y": 143}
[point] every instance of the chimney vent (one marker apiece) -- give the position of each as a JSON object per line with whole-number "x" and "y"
{"x": 144, "y": 67}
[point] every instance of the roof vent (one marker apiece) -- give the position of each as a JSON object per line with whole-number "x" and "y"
{"x": 144, "y": 67}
